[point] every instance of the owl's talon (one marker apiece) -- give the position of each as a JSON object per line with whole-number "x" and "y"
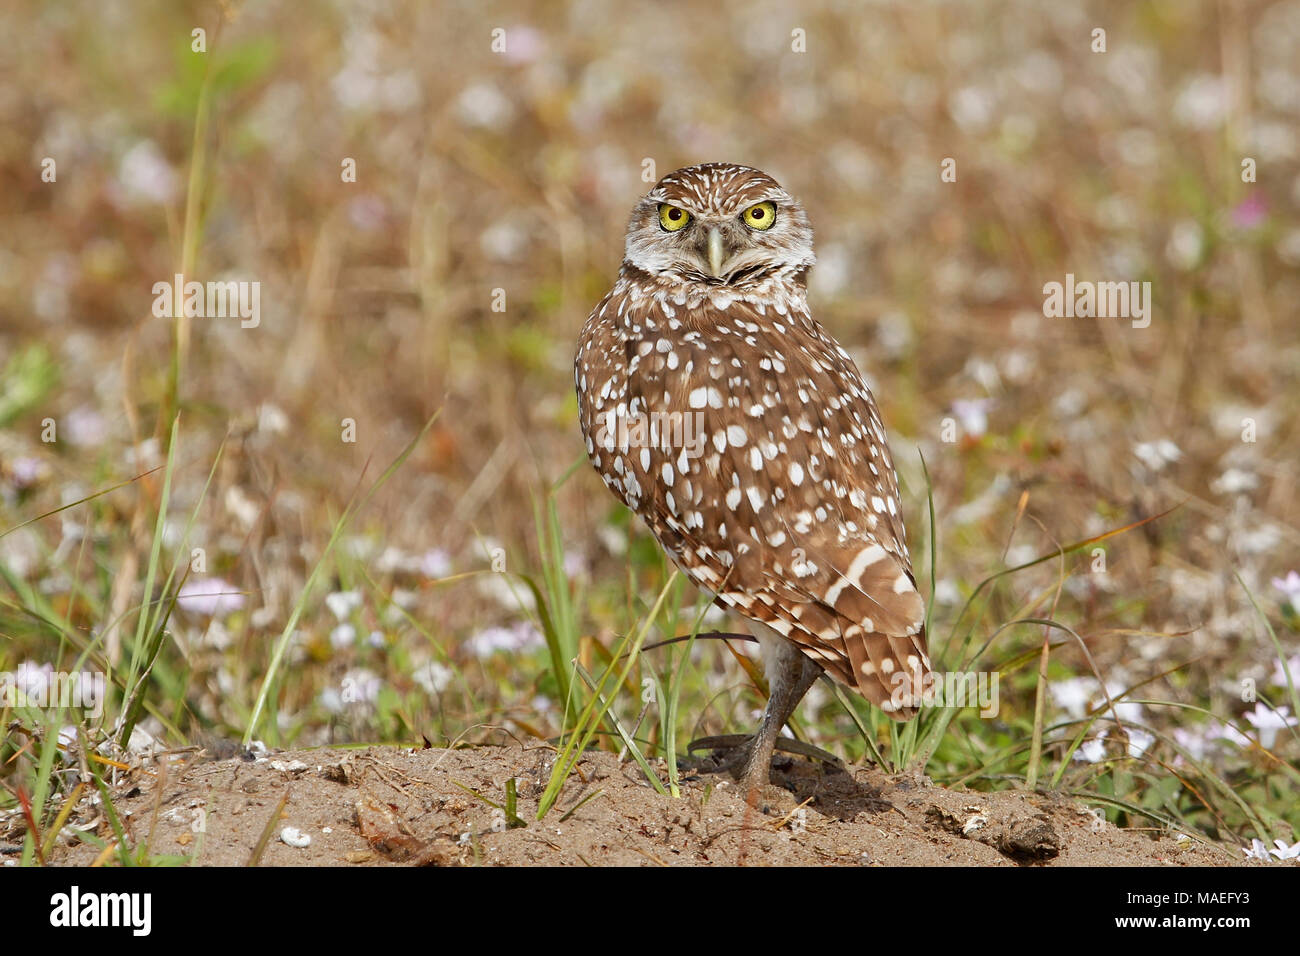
{"x": 736, "y": 748}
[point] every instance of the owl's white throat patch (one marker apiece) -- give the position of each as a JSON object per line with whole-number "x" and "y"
{"x": 669, "y": 293}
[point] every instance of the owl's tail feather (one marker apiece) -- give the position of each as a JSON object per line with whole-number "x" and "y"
{"x": 890, "y": 671}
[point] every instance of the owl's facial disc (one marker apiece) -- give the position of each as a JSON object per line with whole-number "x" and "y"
{"x": 723, "y": 247}
{"x": 718, "y": 224}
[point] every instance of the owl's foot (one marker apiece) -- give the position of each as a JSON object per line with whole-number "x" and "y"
{"x": 737, "y": 747}
{"x": 728, "y": 751}
{"x": 734, "y": 754}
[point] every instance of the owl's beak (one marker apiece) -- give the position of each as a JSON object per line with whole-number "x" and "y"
{"x": 716, "y": 252}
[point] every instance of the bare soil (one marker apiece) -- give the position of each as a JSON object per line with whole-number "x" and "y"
{"x": 390, "y": 806}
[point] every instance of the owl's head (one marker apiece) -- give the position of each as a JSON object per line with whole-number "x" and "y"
{"x": 720, "y": 224}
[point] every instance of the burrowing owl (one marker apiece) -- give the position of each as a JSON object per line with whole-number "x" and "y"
{"x": 719, "y": 410}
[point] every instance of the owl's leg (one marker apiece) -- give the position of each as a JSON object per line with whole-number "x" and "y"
{"x": 789, "y": 675}
{"x": 749, "y": 756}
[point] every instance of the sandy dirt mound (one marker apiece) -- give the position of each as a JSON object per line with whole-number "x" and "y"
{"x": 385, "y": 806}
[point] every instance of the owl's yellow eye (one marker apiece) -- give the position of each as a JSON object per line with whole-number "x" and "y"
{"x": 760, "y": 217}
{"x": 672, "y": 218}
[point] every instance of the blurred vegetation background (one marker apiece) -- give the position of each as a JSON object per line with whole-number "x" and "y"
{"x": 500, "y": 146}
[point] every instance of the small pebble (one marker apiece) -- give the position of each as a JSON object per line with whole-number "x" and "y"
{"x": 292, "y": 836}
{"x": 288, "y": 766}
